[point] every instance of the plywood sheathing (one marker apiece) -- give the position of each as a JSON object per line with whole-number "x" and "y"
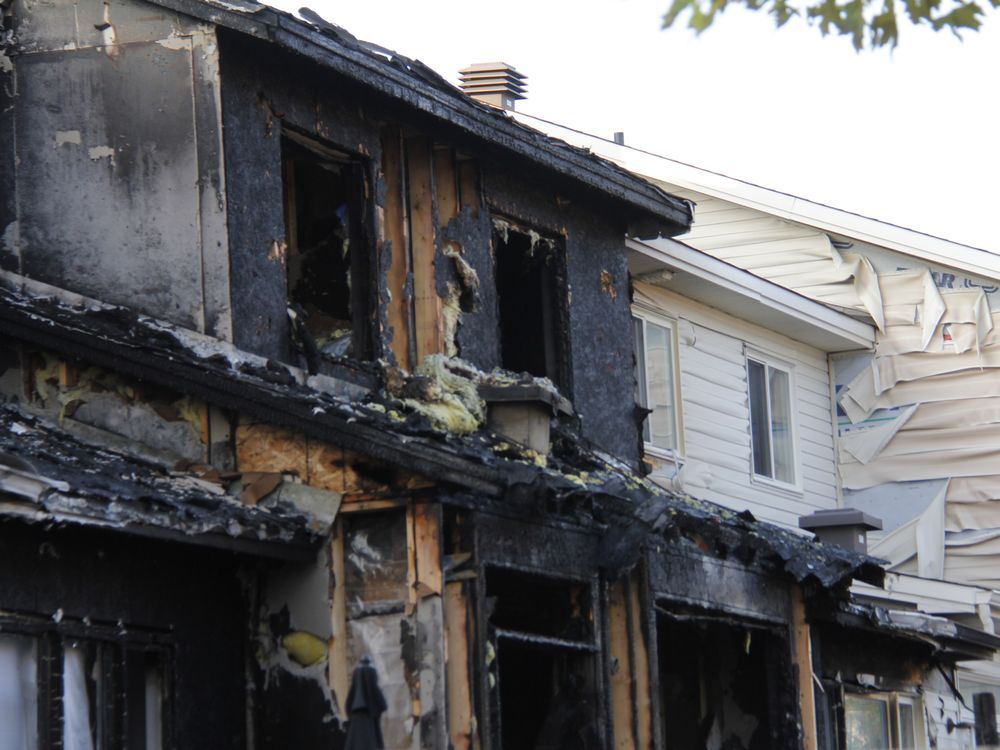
{"x": 262, "y": 447}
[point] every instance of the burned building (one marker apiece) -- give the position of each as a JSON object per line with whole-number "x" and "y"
{"x": 309, "y": 357}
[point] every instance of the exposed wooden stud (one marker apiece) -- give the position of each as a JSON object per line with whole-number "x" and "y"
{"x": 338, "y": 667}
{"x": 424, "y": 568}
{"x": 643, "y": 718}
{"x": 400, "y": 307}
{"x": 621, "y": 669}
{"x": 428, "y": 321}
{"x": 411, "y": 560}
{"x": 456, "y": 615}
{"x": 802, "y": 658}
{"x": 428, "y": 550}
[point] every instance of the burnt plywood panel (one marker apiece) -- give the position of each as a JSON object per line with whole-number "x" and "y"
{"x": 124, "y": 128}
{"x": 718, "y": 584}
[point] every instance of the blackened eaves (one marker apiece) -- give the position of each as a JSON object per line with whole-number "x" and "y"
{"x": 630, "y": 512}
{"x": 49, "y": 476}
{"x": 652, "y": 211}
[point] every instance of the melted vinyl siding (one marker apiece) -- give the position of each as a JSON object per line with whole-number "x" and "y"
{"x": 716, "y": 412}
{"x": 793, "y": 255}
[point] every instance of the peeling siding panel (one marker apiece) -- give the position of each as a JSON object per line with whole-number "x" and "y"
{"x": 122, "y": 97}
{"x": 716, "y": 419}
{"x": 938, "y": 349}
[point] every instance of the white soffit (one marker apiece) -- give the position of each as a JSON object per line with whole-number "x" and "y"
{"x": 739, "y": 293}
{"x": 669, "y": 172}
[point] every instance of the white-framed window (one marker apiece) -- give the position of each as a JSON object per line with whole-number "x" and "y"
{"x": 770, "y": 389}
{"x": 657, "y": 381}
{"x": 886, "y": 721}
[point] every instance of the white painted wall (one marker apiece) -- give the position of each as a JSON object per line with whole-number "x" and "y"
{"x": 716, "y": 461}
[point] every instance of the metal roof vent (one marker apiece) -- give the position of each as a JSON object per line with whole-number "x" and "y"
{"x": 847, "y": 527}
{"x": 495, "y": 83}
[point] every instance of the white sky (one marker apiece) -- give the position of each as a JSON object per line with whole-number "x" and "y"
{"x": 910, "y": 137}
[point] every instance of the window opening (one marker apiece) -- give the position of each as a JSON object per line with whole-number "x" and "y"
{"x": 532, "y": 315}
{"x": 82, "y": 693}
{"x": 721, "y": 683}
{"x": 655, "y": 382}
{"x": 326, "y": 255}
{"x": 882, "y": 721}
{"x": 542, "y": 678}
{"x": 771, "y": 430}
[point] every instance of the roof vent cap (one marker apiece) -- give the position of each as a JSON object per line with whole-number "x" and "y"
{"x": 495, "y": 83}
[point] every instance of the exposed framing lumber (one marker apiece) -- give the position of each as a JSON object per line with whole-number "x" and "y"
{"x": 399, "y": 312}
{"x": 338, "y": 669}
{"x": 802, "y": 658}
{"x": 428, "y": 321}
{"x": 460, "y": 724}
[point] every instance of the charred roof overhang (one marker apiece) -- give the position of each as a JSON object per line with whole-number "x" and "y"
{"x": 649, "y": 210}
{"x": 49, "y": 476}
{"x": 631, "y": 514}
{"x": 949, "y": 641}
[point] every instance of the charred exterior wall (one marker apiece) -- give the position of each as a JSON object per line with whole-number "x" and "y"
{"x": 263, "y": 92}
{"x": 599, "y": 342}
{"x": 190, "y": 598}
{"x": 119, "y": 97}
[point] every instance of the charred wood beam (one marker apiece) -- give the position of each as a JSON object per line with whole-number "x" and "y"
{"x": 224, "y": 388}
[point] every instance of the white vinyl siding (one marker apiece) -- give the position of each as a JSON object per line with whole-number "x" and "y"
{"x": 716, "y": 416}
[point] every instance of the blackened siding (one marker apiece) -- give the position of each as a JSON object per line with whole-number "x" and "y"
{"x": 191, "y": 597}
{"x": 600, "y": 355}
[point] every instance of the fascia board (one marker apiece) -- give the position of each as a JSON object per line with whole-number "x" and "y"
{"x": 847, "y": 332}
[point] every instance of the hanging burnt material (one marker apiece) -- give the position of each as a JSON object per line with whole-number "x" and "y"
{"x": 365, "y": 706}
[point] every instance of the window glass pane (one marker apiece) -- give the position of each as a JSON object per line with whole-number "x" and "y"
{"x": 660, "y": 376}
{"x": 866, "y": 722}
{"x": 18, "y": 693}
{"x": 640, "y": 372}
{"x": 78, "y": 686}
{"x": 760, "y": 431}
{"x": 154, "y": 703}
{"x": 781, "y": 425}
{"x": 906, "y": 727}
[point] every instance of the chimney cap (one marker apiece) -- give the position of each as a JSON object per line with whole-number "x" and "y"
{"x": 824, "y": 519}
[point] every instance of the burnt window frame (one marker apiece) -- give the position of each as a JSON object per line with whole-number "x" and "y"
{"x": 490, "y": 637}
{"x": 559, "y": 367}
{"x": 113, "y": 642}
{"x": 363, "y": 305}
